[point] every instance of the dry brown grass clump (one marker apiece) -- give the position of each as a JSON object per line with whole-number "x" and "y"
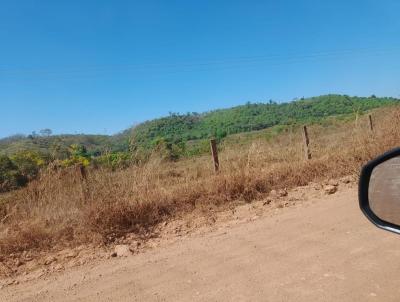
{"x": 63, "y": 208}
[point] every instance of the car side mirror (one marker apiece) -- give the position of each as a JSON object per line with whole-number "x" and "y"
{"x": 379, "y": 191}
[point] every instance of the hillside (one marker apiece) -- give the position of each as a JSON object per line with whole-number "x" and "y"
{"x": 252, "y": 116}
{"x": 95, "y": 144}
{"x": 185, "y": 131}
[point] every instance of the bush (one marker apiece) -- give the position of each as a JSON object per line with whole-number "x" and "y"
{"x": 29, "y": 163}
{"x": 78, "y": 155}
{"x": 76, "y": 160}
{"x": 167, "y": 150}
{"x": 116, "y": 160}
{"x": 10, "y": 176}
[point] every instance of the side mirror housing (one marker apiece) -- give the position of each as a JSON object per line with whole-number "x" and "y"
{"x": 379, "y": 191}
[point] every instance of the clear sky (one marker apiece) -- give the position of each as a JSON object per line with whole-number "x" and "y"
{"x": 98, "y": 66}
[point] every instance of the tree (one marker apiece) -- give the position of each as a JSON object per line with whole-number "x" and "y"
{"x": 46, "y": 132}
{"x": 10, "y": 177}
{"x": 77, "y": 150}
{"x": 28, "y": 163}
{"x": 78, "y": 155}
{"x": 58, "y": 150}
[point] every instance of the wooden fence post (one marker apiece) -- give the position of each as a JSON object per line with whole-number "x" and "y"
{"x": 371, "y": 125}
{"x": 306, "y": 143}
{"x": 82, "y": 175}
{"x": 214, "y": 152}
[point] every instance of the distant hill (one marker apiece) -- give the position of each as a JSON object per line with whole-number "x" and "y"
{"x": 183, "y": 128}
{"x": 252, "y": 116}
{"x": 95, "y": 144}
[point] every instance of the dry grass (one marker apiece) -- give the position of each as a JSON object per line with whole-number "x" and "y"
{"x": 61, "y": 208}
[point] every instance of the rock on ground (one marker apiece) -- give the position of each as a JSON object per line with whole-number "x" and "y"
{"x": 330, "y": 189}
{"x": 122, "y": 250}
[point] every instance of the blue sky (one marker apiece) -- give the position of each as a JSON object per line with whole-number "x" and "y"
{"x": 101, "y": 66}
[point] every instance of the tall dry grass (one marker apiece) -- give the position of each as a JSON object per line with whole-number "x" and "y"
{"x": 65, "y": 209}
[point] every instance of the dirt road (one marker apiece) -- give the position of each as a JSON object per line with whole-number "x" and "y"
{"x": 323, "y": 250}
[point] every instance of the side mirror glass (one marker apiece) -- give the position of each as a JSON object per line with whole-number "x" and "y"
{"x": 379, "y": 191}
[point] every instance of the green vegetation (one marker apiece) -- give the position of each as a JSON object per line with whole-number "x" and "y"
{"x": 114, "y": 160}
{"x": 77, "y": 155}
{"x": 10, "y": 177}
{"x": 57, "y": 145}
{"x": 172, "y": 137}
{"x": 20, "y": 168}
{"x": 185, "y": 129}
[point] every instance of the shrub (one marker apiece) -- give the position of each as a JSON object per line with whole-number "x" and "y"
{"x": 29, "y": 163}
{"x": 10, "y": 177}
{"x": 78, "y": 156}
{"x": 115, "y": 160}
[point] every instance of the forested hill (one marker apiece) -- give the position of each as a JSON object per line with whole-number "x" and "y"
{"x": 181, "y": 128}
{"x": 252, "y": 116}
